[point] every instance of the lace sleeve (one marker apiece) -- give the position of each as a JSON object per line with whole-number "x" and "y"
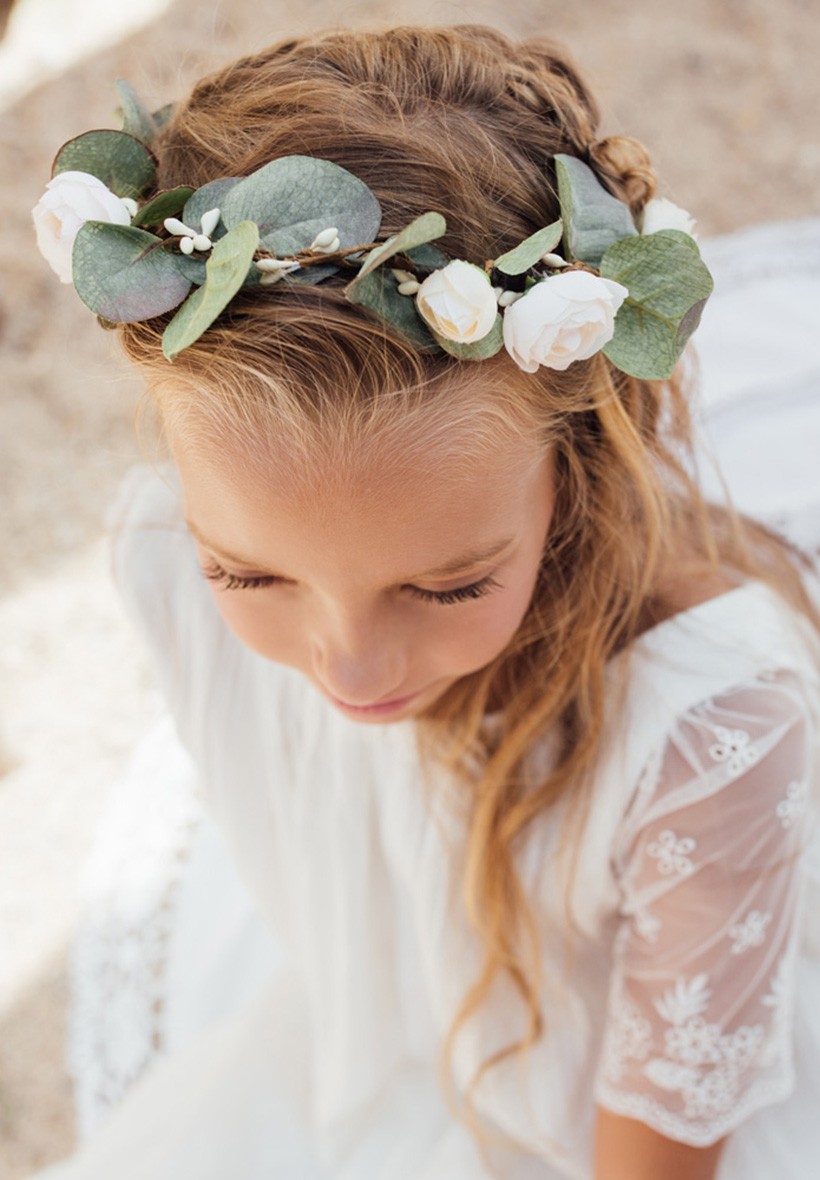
{"x": 698, "y": 1031}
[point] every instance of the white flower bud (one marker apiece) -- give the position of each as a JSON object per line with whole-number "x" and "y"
{"x": 131, "y": 205}
{"x": 175, "y": 226}
{"x": 659, "y": 213}
{"x": 508, "y": 297}
{"x": 324, "y": 239}
{"x": 409, "y": 287}
{"x": 271, "y": 277}
{"x": 201, "y": 242}
{"x": 566, "y": 318}
{"x": 209, "y": 221}
{"x": 276, "y": 265}
{"x": 458, "y": 302}
{"x": 554, "y": 260}
{"x": 402, "y": 276}
{"x": 71, "y": 199}
{"x": 186, "y": 245}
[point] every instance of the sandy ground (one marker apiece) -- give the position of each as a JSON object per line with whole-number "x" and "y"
{"x": 724, "y": 93}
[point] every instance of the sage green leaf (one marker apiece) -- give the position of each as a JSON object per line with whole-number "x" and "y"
{"x": 420, "y": 231}
{"x": 123, "y": 274}
{"x": 168, "y": 203}
{"x": 529, "y": 252}
{"x": 163, "y": 115}
{"x": 189, "y": 265}
{"x": 119, "y": 160}
{"x": 593, "y": 219}
{"x": 427, "y": 255}
{"x": 378, "y": 292}
{"x": 294, "y": 198}
{"x": 668, "y": 285}
{"x": 137, "y": 120}
{"x": 225, "y": 272}
{"x": 210, "y": 196}
{"x": 479, "y": 350}
{"x": 310, "y": 275}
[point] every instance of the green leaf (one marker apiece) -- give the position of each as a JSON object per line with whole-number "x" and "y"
{"x": 210, "y": 196}
{"x": 295, "y": 197}
{"x": 668, "y": 285}
{"x": 137, "y": 120}
{"x": 479, "y": 350}
{"x": 226, "y": 271}
{"x": 163, "y": 115}
{"x": 123, "y": 274}
{"x": 427, "y": 255}
{"x": 529, "y": 252}
{"x": 378, "y": 292}
{"x": 168, "y": 203}
{"x": 420, "y": 231}
{"x": 119, "y": 160}
{"x": 593, "y": 218}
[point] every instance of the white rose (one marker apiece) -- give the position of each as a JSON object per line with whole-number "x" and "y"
{"x": 562, "y": 319}
{"x": 458, "y": 302}
{"x": 71, "y": 199}
{"x": 662, "y": 214}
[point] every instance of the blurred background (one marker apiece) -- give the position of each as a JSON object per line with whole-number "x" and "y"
{"x": 724, "y": 93}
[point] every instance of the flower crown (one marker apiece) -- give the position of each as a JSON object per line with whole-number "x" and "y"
{"x": 635, "y": 291}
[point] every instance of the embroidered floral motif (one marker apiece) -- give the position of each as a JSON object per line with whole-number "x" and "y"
{"x": 792, "y": 807}
{"x": 647, "y": 925}
{"x": 734, "y": 748}
{"x": 685, "y": 1000}
{"x": 671, "y": 853}
{"x": 629, "y": 1037}
{"x": 750, "y": 932}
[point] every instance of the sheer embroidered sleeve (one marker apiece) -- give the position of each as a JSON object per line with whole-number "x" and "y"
{"x": 698, "y": 1031}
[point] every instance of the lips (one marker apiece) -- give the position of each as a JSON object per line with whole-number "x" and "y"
{"x": 378, "y": 707}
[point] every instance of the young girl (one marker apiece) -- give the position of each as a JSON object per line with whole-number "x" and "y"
{"x": 511, "y": 733}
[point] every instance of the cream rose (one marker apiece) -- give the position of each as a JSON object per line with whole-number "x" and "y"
{"x": 71, "y": 199}
{"x": 662, "y": 214}
{"x": 458, "y": 302}
{"x": 562, "y": 319}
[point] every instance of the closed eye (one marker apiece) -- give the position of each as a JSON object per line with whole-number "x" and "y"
{"x": 215, "y": 573}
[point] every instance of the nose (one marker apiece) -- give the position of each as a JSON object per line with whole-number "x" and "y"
{"x": 359, "y": 662}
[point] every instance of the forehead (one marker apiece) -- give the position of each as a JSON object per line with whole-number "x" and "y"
{"x": 406, "y": 500}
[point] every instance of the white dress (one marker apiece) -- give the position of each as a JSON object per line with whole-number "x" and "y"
{"x": 275, "y": 1010}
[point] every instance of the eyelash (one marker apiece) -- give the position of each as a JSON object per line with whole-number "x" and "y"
{"x": 215, "y": 573}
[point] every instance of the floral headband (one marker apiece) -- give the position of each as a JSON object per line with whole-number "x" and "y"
{"x": 635, "y": 291}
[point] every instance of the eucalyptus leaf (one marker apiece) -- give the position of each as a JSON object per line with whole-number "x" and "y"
{"x": 210, "y": 196}
{"x": 193, "y": 268}
{"x": 420, "y": 231}
{"x": 310, "y": 275}
{"x": 137, "y": 120}
{"x": 593, "y": 219}
{"x": 163, "y": 115}
{"x": 119, "y": 160}
{"x": 427, "y": 255}
{"x": 668, "y": 285}
{"x": 165, "y": 204}
{"x": 530, "y": 251}
{"x": 123, "y": 274}
{"x": 378, "y": 292}
{"x": 479, "y": 350}
{"x": 294, "y": 198}
{"x": 225, "y": 272}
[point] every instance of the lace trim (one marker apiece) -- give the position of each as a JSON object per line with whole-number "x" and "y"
{"x": 640, "y": 1106}
{"x": 119, "y": 958}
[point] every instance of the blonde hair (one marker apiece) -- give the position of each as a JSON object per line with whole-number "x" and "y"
{"x": 465, "y": 121}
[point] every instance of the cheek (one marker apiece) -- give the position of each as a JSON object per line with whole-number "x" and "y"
{"x": 252, "y": 616}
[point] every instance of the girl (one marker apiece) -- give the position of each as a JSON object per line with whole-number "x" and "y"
{"x": 511, "y": 733}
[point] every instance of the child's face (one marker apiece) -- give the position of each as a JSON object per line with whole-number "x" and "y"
{"x": 349, "y": 569}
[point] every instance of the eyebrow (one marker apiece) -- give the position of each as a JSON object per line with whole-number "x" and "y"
{"x": 465, "y": 561}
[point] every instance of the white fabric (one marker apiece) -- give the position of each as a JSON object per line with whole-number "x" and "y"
{"x": 298, "y": 1032}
